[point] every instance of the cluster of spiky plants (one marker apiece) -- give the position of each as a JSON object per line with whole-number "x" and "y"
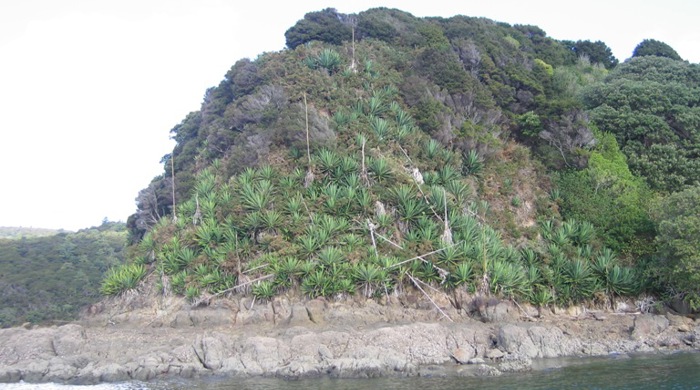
{"x": 123, "y": 279}
{"x": 384, "y": 210}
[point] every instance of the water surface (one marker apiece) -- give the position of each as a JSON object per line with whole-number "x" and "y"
{"x": 676, "y": 371}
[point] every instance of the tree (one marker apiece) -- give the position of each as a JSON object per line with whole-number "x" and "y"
{"x": 678, "y": 220}
{"x": 569, "y": 134}
{"x": 327, "y": 26}
{"x": 652, "y": 47}
{"x": 651, "y": 105}
{"x": 609, "y": 196}
{"x": 597, "y": 52}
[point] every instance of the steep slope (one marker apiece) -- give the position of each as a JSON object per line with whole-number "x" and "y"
{"x": 393, "y": 160}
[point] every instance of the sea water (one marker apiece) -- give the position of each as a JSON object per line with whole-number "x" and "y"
{"x": 675, "y": 371}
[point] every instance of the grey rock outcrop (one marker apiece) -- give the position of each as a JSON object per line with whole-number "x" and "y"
{"x": 314, "y": 338}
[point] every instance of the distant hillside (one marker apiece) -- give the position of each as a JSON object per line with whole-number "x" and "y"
{"x": 382, "y": 152}
{"x": 53, "y": 277}
{"x": 19, "y": 232}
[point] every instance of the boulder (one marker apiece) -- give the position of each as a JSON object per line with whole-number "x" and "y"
{"x": 112, "y": 372}
{"x": 648, "y": 326}
{"x": 69, "y": 340}
{"x": 551, "y": 342}
{"x": 463, "y": 355}
{"x": 494, "y": 354}
{"x": 516, "y": 340}
{"x": 210, "y": 351}
{"x": 515, "y": 365}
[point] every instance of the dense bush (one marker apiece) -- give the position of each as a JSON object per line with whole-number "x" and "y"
{"x": 52, "y": 278}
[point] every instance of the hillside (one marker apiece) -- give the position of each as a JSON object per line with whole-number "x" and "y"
{"x": 382, "y": 153}
{"x": 10, "y": 232}
{"x": 54, "y": 277}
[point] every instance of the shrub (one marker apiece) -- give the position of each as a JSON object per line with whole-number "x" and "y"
{"x": 122, "y": 279}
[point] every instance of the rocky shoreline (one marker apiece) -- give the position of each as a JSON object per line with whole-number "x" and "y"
{"x": 134, "y": 340}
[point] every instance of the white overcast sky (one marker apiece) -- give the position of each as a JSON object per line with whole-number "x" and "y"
{"x": 89, "y": 89}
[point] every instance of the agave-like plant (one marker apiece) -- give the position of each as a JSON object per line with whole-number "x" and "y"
{"x": 327, "y": 161}
{"x": 431, "y": 178}
{"x": 351, "y": 241}
{"x": 272, "y": 219}
{"x": 264, "y": 290}
{"x": 208, "y": 206}
{"x": 308, "y": 245}
{"x": 121, "y": 279}
{"x": 254, "y": 197}
{"x": 447, "y": 174}
{"x": 329, "y": 256}
{"x": 561, "y": 237}
{"x": 369, "y": 277}
{"x": 342, "y": 118}
{"x": 225, "y": 194}
{"x": 247, "y": 177}
{"x": 380, "y": 169}
{"x": 508, "y": 279}
{"x": 432, "y": 148}
{"x": 201, "y": 269}
{"x": 438, "y": 196}
{"x": 380, "y": 127}
{"x": 148, "y": 245}
{"x": 333, "y": 195}
{"x": 621, "y": 281}
{"x": 584, "y": 251}
{"x": 462, "y": 276}
{"x": 334, "y": 225}
{"x": 427, "y": 228}
{"x": 348, "y": 165}
{"x": 450, "y": 255}
{"x": 254, "y": 223}
{"x": 317, "y": 284}
{"x": 208, "y": 233}
{"x": 585, "y": 232}
{"x": 294, "y": 204}
{"x": 375, "y": 106}
{"x": 329, "y": 59}
{"x": 472, "y": 163}
{"x": 404, "y": 119}
{"x": 192, "y": 293}
{"x": 458, "y": 189}
{"x": 178, "y": 282}
{"x": 465, "y": 228}
{"x": 287, "y": 271}
{"x": 427, "y": 272}
{"x": 541, "y": 297}
{"x": 345, "y": 286}
{"x": 364, "y": 200}
{"x": 206, "y": 183}
{"x": 404, "y": 131}
{"x": 580, "y": 280}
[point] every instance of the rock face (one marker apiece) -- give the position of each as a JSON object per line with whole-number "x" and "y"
{"x": 306, "y": 339}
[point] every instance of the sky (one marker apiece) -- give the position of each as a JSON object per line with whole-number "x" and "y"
{"x": 89, "y": 89}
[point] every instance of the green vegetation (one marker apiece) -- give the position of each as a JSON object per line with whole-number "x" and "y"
{"x": 652, "y": 47}
{"x": 678, "y": 218}
{"x": 53, "y": 278}
{"x": 19, "y": 232}
{"x": 382, "y": 152}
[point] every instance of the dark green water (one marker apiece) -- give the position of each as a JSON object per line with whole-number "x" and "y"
{"x": 677, "y": 371}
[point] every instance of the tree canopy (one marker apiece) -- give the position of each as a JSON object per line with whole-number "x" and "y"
{"x": 652, "y": 47}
